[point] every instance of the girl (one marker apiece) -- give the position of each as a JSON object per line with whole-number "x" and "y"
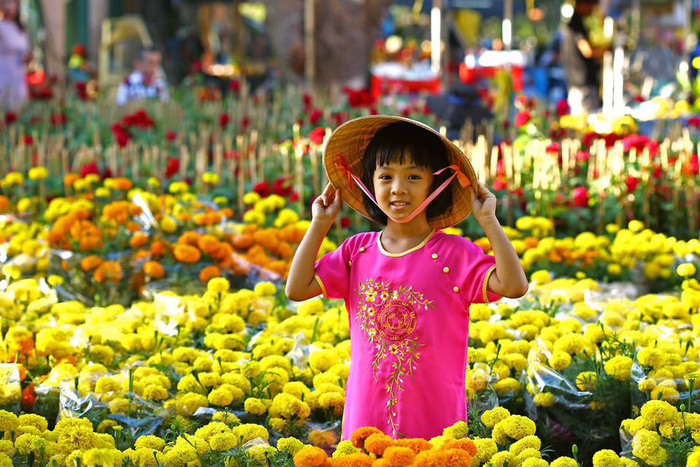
{"x": 408, "y": 287}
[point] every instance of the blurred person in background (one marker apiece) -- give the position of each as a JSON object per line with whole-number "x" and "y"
{"x": 14, "y": 54}
{"x": 579, "y": 58}
{"x": 146, "y": 81}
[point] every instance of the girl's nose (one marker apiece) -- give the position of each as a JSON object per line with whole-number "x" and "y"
{"x": 397, "y": 186}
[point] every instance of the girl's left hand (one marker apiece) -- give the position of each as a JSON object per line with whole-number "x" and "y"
{"x": 483, "y": 202}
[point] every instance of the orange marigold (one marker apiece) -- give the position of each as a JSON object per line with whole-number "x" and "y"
{"x": 158, "y": 248}
{"x": 399, "y": 456}
{"x": 464, "y": 444}
{"x": 90, "y": 262}
{"x": 70, "y": 178}
{"x": 109, "y": 271}
{"x": 154, "y": 269}
{"x": 209, "y": 272}
{"x": 138, "y": 240}
{"x": 440, "y": 458}
{"x": 189, "y": 238}
{"x": 122, "y": 183}
{"x": 207, "y": 243}
{"x": 359, "y": 436}
{"x": 4, "y": 204}
{"x": 415, "y": 444}
{"x": 227, "y": 212}
{"x": 311, "y": 456}
{"x": 357, "y": 459}
{"x": 187, "y": 254}
{"x": 376, "y": 443}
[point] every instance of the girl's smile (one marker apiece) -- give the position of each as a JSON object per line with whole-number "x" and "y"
{"x": 401, "y": 187}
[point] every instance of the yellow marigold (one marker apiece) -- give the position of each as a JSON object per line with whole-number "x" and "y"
{"x": 620, "y": 367}
{"x": 564, "y": 462}
{"x": 502, "y": 459}
{"x": 586, "y": 381}
{"x": 218, "y": 285}
{"x": 606, "y": 458}
{"x": 457, "y": 431}
{"x": 491, "y": 417}
{"x": 250, "y": 431}
{"x": 102, "y": 457}
{"x": 151, "y": 442}
{"x": 560, "y": 360}
{"x": 513, "y": 427}
{"x": 544, "y": 399}
{"x": 36, "y": 421}
{"x": 656, "y": 411}
{"x": 223, "y": 442}
{"x": 8, "y": 421}
{"x": 646, "y": 446}
{"x": 686, "y": 269}
{"x": 289, "y": 445}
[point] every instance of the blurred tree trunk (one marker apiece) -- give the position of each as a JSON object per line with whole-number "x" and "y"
{"x": 345, "y": 33}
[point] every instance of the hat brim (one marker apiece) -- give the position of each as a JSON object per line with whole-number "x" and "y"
{"x": 349, "y": 142}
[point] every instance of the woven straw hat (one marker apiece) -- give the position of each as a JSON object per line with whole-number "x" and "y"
{"x": 349, "y": 142}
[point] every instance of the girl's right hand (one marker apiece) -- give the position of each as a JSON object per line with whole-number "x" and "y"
{"x": 326, "y": 207}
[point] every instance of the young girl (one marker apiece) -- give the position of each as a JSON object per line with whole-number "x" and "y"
{"x": 408, "y": 287}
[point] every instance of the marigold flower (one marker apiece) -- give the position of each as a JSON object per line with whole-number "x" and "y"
{"x": 208, "y": 273}
{"x": 187, "y": 253}
{"x": 109, "y": 271}
{"x": 153, "y": 269}
{"x": 359, "y": 436}
{"x": 90, "y": 262}
{"x": 311, "y": 456}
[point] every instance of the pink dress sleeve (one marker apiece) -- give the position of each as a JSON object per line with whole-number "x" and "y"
{"x": 476, "y": 270}
{"x": 333, "y": 271}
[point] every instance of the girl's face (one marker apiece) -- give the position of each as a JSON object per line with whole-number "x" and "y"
{"x": 401, "y": 188}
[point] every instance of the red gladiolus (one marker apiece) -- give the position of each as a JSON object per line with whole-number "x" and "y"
{"x": 553, "y": 148}
{"x": 171, "y": 136}
{"x": 173, "y": 167}
{"x": 582, "y": 156}
{"x": 339, "y": 118}
{"x": 317, "y": 135}
{"x": 139, "y": 119}
{"x": 27, "y": 140}
{"x": 692, "y": 167}
{"x": 224, "y": 119}
{"x": 694, "y": 121}
{"x": 263, "y": 189}
{"x": 580, "y": 195}
{"x": 632, "y": 183}
{"x": 345, "y": 222}
{"x": 306, "y": 101}
{"x": 234, "y": 85}
{"x": 522, "y": 118}
{"x": 293, "y": 197}
{"x": 10, "y": 117}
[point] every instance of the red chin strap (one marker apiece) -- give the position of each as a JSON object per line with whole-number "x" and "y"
{"x": 352, "y": 178}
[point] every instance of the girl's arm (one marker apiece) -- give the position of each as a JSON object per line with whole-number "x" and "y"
{"x": 508, "y": 279}
{"x": 301, "y": 283}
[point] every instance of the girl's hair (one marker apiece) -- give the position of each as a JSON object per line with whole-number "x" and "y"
{"x": 391, "y": 144}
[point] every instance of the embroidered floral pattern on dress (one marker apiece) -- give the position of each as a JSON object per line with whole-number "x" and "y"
{"x": 387, "y": 315}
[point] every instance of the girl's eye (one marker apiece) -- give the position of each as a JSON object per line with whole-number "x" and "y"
{"x": 414, "y": 177}
{"x": 385, "y": 177}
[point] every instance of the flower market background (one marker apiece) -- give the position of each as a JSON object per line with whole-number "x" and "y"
{"x": 144, "y": 247}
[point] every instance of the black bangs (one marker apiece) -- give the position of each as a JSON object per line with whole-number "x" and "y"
{"x": 393, "y": 144}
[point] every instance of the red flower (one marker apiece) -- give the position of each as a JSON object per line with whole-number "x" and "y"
{"x": 694, "y": 121}
{"x": 522, "y": 118}
{"x": 345, "y": 222}
{"x": 553, "y": 148}
{"x": 521, "y": 102}
{"x": 139, "y": 119}
{"x": 58, "y": 118}
{"x": 499, "y": 184}
{"x": 28, "y": 398}
{"x": 263, "y": 189}
{"x": 562, "y": 107}
{"x": 282, "y": 186}
{"x": 121, "y": 135}
{"x": 632, "y": 183}
{"x": 582, "y": 156}
{"x": 89, "y": 168}
{"x": 306, "y": 100}
{"x": 173, "y": 167}
{"x": 27, "y": 140}
{"x": 171, "y": 136}
{"x": 224, "y": 119}
{"x": 339, "y": 118}
{"x": 245, "y": 123}
{"x": 10, "y": 117}
{"x": 692, "y": 167}
{"x": 317, "y": 135}
{"x": 580, "y": 195}
{"x": 315, "y": 116}
{"x": 293, "y": 197}
{"x": 358, "y": 97}
{"x": 234, "y": 85}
